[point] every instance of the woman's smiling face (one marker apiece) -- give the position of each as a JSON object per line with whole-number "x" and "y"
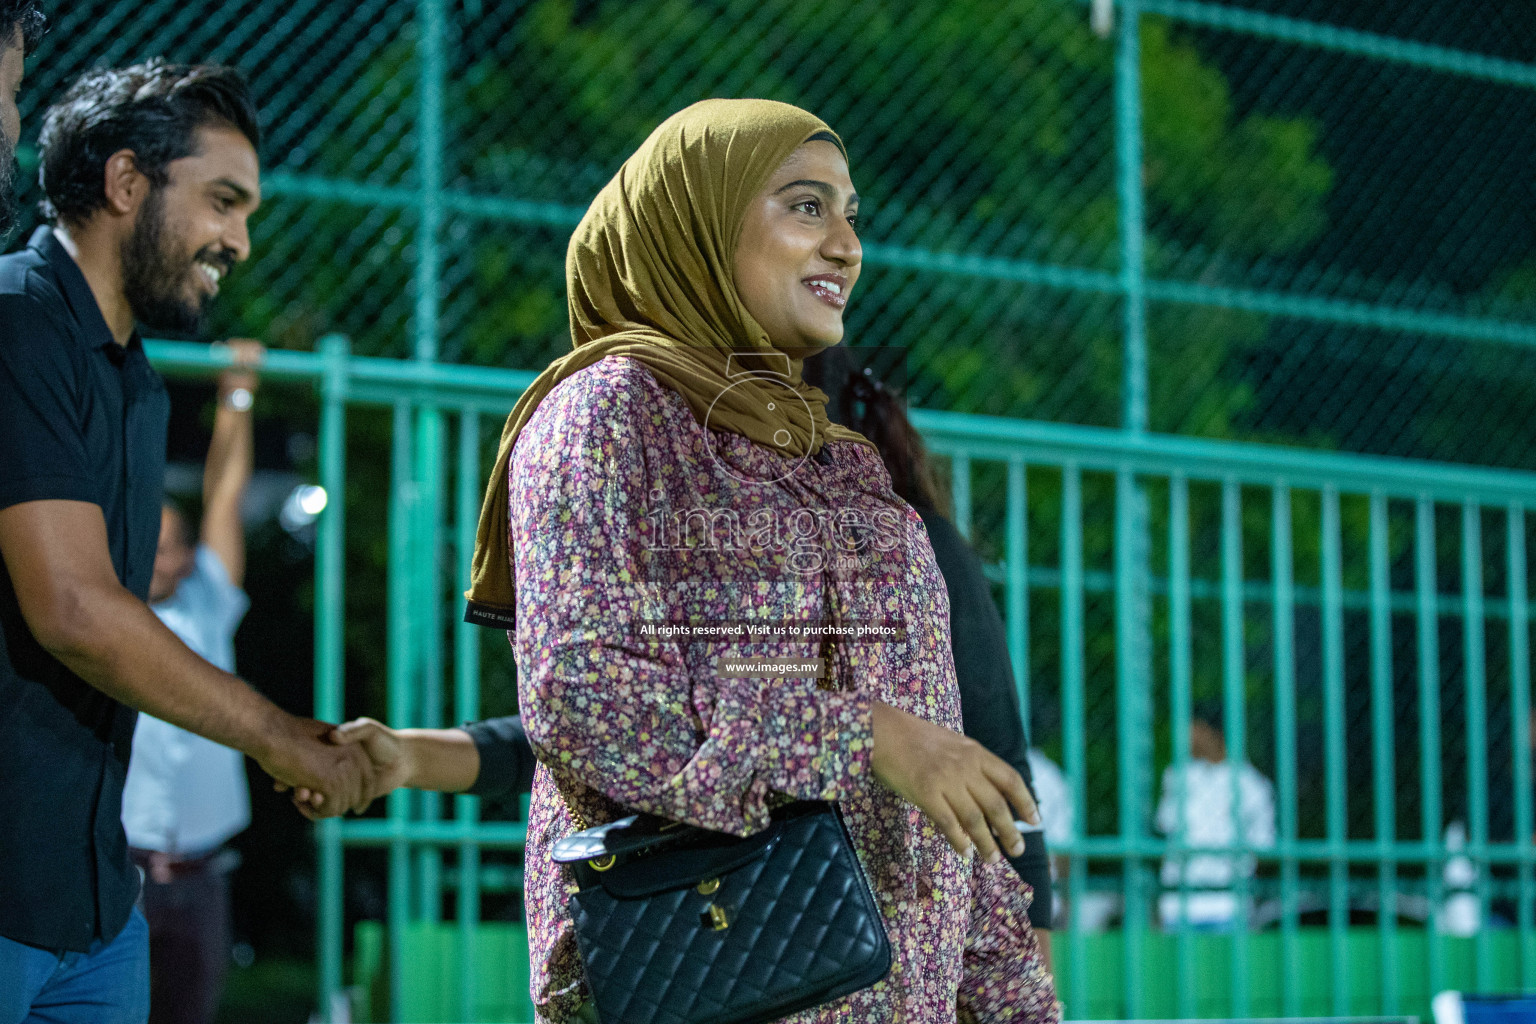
{"x": 798, "y": 255}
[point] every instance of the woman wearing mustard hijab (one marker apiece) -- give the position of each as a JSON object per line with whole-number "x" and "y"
{"x": 675, "y": 468}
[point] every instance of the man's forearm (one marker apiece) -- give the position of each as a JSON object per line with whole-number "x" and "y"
{"x": 120, "y": 647}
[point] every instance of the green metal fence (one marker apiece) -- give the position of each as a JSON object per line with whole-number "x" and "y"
{"x": 1281, "y": 221}
{"x": 1254, "y": 546}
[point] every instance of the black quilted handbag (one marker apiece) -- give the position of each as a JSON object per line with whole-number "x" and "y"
{"x": 678, "y": 924}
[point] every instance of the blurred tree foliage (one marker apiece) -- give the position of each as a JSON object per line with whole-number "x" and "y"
{"x": 973, "y": 127}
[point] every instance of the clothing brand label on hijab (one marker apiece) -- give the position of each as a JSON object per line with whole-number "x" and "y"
{"x": 650, "y": 275}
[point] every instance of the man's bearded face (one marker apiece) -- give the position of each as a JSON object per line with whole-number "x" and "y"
{"x": 10, "y": 176}
{"x": 167, "y": 282}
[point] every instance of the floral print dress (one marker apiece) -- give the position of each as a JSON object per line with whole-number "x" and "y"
{"x": 627, "y": 515}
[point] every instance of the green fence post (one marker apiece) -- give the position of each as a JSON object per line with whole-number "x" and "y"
{"x": 1133, "y": 523}
{"x": 1133, "y": 228}
{"x": 1282, "y": 573}
{"x": 1234, "y": 696}
{"x": 1072, "y": 676}
{"x": 330, "y": 625}
{"x": 427, "y": 619}
{"x": 466, "y": 663}
{"x": 432, "y": 68}
{"x": 1520, "y": 708}
{"x": 1335, "y": 764}
{"x": 1383, "y": 743}
{"x": 1427, "y": 588}
{"x": 1180, "y": 680}
{"x": 1017, "y": 596}
{"x": 1133, "y": 724}
{"x": 1473, "y": 644}
{"x": 402, "y": 656}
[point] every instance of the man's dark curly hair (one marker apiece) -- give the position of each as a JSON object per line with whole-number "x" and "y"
{"x": 28, "y": 15}
{"x": 154, "y": 109}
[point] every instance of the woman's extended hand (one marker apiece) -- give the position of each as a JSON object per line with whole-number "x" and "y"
{"x": 963, "y": 788}
{"x": 387, "y": 752}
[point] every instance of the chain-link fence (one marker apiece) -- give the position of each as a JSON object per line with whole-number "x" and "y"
{"x": 1337, "y": 220}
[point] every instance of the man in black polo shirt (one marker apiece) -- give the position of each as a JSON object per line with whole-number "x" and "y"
{"x": 21, "y": 26}
{"x": 150, "y": 174}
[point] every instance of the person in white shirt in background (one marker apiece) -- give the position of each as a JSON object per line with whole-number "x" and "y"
{"x": 1199, "y": 801}
{"x": 186, "y": 796}
{"x": 1054, "y": 799}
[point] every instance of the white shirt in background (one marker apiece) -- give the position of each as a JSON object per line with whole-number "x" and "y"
{"x": 1054, "y": 800}
{"x": 186, "y": 795}
{"x": 1206, "y": 814}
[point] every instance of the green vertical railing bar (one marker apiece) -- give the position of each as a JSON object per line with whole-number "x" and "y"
{"x": 1073, "y": 739}
{"x": 1476, "y": 672}
{"x": 1016, "y": 551}
{"x": 1426, "y": 583}
{"x": 1234, "y": 699}
{"x": 432, "y": 71}
{"x": 1282, "y": 574}
{"x": 427, "y": 619}
{"x": 330, "y": 603}
{"x": 1129, "y": 175}
{"x": 1133, "y": 568}
{"x": 960, "y": 493}
{"x": 401, "y": 665}
{"x": 1131, "y": 693}
{"x": 1180, "y": 682}
{"x": 1383, "y": 743}
{"x": 1334, "y": 760}
{"x": 466, "y": 699}
{"x": 1520, "y": 708}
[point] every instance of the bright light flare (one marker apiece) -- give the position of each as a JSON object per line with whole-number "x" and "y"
{"x": 302, "y": 507}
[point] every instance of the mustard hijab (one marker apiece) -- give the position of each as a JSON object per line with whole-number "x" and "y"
{"x": 649, "y": 274}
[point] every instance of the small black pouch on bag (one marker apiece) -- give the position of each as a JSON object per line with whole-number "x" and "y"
{"x": 682, "y": 925}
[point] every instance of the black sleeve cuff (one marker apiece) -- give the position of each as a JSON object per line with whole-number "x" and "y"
{"x": 506, "y": 759}
{"x": 1033, "y": 866}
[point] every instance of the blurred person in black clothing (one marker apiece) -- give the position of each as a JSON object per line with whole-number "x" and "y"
{"x": 989, "y": 703}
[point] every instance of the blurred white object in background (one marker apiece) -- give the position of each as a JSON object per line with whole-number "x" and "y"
{"x": 1461, "y": 914}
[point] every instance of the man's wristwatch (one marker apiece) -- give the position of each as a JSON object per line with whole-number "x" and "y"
{"x": 238, "y": 399}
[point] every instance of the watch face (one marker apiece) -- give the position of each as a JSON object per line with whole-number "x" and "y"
{"x": 239, "y": 399}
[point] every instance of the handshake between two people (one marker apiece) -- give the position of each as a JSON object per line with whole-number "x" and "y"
{"x": 355, "y": 763}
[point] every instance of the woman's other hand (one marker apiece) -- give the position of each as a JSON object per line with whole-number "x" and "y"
{"x": 963, "y": 788}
